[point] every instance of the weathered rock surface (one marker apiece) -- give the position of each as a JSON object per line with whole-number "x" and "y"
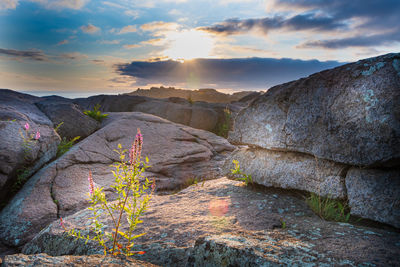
{"x": 74, "y": 122}
{"x": 290, "y": 170}
{"x": 240, "y": 224}
{"x": 199, "y": 115}
{"x": 16, "y": 109}
{"x": 349, "y": 114}
{"x": 92, "y": 260}
{"x": 177, "y": 154}
{"x": 375, "y": 194}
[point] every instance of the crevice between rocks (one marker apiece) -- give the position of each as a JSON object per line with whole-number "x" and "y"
{"x": 52, "y": 193}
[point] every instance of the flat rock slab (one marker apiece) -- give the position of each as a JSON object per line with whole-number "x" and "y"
{"x": 92, "y": 260}
{"x": 290, "y": 170}
{"x": 349, "y": 114}
{"x": 225, "y": 213}
{"x": 177, "y": 154}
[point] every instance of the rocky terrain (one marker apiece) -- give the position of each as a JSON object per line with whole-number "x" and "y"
{"x": 205, "y": 95}
{"x": 335, "y": 133}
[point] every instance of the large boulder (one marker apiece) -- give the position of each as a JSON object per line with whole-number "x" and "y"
{"x": 349, "y": 114}
{"x": 291, "y": 171}
{"x": 74, "y": 121}
{"x": 20, "y": 154}
{"x": 374, "y": 194}
{"x": 177, "y": 153}
{"x": 333, "y": 121}
{"x": 234, "y": 226}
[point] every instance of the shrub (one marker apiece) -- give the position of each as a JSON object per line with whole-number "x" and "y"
{"x": 328, "y": 208}
{"x": 239, "y": 175}
{"x": 65, "y": 145}
{"x": 133, "y": 199}
{"x": 96, "y": 113}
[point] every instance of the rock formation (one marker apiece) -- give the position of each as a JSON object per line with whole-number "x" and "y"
{"x": 177, "y": 154}
{"x": 348, "y": 119}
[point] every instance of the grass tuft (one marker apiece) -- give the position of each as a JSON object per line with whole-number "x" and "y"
{"x": 328, "y": 208}
{"x": 65, "y": 145}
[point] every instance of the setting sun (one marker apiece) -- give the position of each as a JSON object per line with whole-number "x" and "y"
{"x": 189, "y": 44}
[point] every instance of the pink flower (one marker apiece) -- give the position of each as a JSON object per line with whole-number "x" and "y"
{"x": 91, "y": 185}
{"x": 62, "y": 223}
{"x": 136, "y": 149}
{"x": 37, "y": 136}
{"x": 27, "y": 126}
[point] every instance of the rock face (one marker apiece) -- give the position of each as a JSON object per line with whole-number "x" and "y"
{"x": 343, "y": 117}
{"x": 291, "y": 171}
{"x": 74, "y": 122}
{"x": 344, "y": 114}
{"x": 93, "y": 260}
{"x": 375, "y": 194}
{"x": 199, "y": 115}
{"x": 234, "y": 225}
{"x": 18, "y": 157}
{"x": 177, "y": 154}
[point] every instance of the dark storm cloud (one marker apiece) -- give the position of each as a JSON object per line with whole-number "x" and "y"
{"x": 298, "y": 22}
{"x": 356, "y": 16}
{"x": 239, "y": 73}
{"x": 20, "y": 54}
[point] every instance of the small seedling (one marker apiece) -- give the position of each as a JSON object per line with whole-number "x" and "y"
{"x": 65, "y": 145}
{"x": 239, "y": 175}
{"x": 96, "y": 113}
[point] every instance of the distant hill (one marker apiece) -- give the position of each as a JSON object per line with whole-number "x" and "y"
{"x": 207, "y": 94}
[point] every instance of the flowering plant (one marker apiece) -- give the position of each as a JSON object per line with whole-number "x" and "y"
{"x": 132, "y": 201}
{"x": 28, "y": 140}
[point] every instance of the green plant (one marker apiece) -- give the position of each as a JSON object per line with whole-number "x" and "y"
{"x": 283, "y": 224}
{"x": 28, "y": 140}
{"x": 132, "y": 201}
{"x": 239, "y": 175}
{"x": 328, "y": 208}
{"x": 190, "y": 100}
{"x": 58, "y": 126}
{"x": 65, "y": 145}
{"x": 22, "y": 177}
{"x": 96, "y": 113}
{"x": 222, "y": 129}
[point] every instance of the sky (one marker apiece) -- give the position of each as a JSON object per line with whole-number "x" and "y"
{"x": 91, "y": 46}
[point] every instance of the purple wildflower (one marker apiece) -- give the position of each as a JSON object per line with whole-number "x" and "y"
{"x": 37, "y": 136}
{"x": 27, "y": 126}
{"x": 91, "y": 185}
{"x": 136, "y": 149}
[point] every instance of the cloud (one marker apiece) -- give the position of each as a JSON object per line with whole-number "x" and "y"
{"x": 355, "y": 41}
{"x": 356, "y": 23}
{"x": 132, "y": 13}
{"x": 21, "y": 54}
{"x": 295, "y": 23}
{"x": 74, "y": 56}
{"x": 110, "y": 42}
{"x": 159, "y": 27}
{"x": 130, "y": 46}
{"x": 63, "y": 42}
{"x": 238, "y": 73}
{"x": 90, "y": 29}
{"x": 61, "y": 4}
{"x": 8, "y": 4}
{"x": 155, "y": 42}
{"x": 128, "y": 29}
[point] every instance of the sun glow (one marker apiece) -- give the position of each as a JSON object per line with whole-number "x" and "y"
{"x": 189, "y": 44}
